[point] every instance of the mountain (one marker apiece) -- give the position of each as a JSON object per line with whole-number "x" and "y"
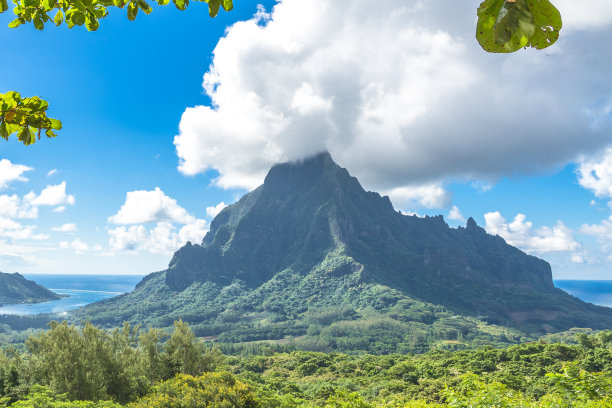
{"x": 310, "y": 255}
{"x": 14, "y": 288}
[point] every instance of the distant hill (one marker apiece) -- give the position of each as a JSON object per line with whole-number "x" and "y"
{"x": 14, "y": 288}
{"x": 312, "y": 258}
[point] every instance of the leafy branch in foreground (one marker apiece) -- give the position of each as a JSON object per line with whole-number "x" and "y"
{"x": 508, "y": 25}
{"x": 25, "y": 116}
{"x": 88, "y": 12}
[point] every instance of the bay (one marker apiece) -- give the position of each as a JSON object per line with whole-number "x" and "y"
{"x": 598, "y": 292}
{"x": 80, "y": 290}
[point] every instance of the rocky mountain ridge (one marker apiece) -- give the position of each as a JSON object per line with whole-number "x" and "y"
{"x": 311, "y": 240}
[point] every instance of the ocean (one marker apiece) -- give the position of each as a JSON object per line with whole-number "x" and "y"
{"x": 598, "y": 292}
{"x": 85, "y": 289}
{"x": 81, "y": 290}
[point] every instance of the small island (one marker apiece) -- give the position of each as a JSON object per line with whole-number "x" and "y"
{"x": 14, "y": 288}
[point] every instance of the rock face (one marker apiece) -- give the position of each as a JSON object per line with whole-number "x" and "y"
{"x": 14, "y": 288}
{"x": 311, "y": 236}
{"x": 307, "y": 210}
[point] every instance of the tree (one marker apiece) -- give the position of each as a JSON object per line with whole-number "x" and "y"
{"x": 504, "y": 26}
{"x": 186, "y": 354}
{"x": 213, "y": 390}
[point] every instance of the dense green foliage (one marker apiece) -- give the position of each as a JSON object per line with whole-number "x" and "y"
{"x": 27, "y": 117}
{"x": 14, "y": 288}
{"x": 509, "y": 25}
{"x": 89, "y": 363}
{"x": 368, "y": 318}
{"x": 89, "y": 12}
{"x": 520, "y": 368}
{"x": 88, "y": 367}
{"x": 313, "y": 261}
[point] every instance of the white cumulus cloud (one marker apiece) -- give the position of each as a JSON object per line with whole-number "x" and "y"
{"x": 146, "y": 207}
{"x": 53, "y": 195}
{"x": 213, "y": 211}
{"x": 76, "y": 244}
{"x": 399, "y": 93}
{"x": 423, "y": 196}
{"x": 164, "y": 238}
{"x": 520, "y": 233}
{"x": 10, "y": 172}
{"x": 14, "y": 206}
{"x": 585, "y": 15}
{"x": 595, "y": 173}
{"x": 150, "y": 206}
{"x": 455, "y": 214}
{"x": 13, "y": 230}
{"x": 69, "y": 227}
{"x": 602, "y": 231}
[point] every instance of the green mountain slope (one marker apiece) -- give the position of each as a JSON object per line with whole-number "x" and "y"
{"x": 311, "y": 255}
{"x": 14, "y": 288}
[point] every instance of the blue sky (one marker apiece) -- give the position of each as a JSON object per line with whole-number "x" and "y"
{"x": 400, "y": 94}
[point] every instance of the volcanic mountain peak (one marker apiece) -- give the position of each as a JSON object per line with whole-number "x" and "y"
{"x": 311, "y": 238}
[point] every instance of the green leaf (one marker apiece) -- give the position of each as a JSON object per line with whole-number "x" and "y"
{"x": 77, "y": 17}
{"x": 23, "y": 134}
{"x": 48, "y": 4}
{"x": 213, "y": 7}
{"x": 50, "y": 133}
{"x": 514, "y": 16}
{"x": 59, "y": 18}
{"x": 12, "y": 128}
{"x": 16, "y": 23}
{"x": 3, "y": 6}
{"x": 509, "y": 25}
{"x": 9, "y": 116}
{"x": 548, "y": 23}
{"x": 120, "y": 3}
{"x": 101, "y": 12}
{"x": 163, "y": 2}
{"x": 55, "y": 124}
{"x": 91, "y": 22}
{"x": 35, "y": 103}
{"x": 132, "y": 11}
{"x": 12, "y": 99}
{"x": 145, "y": 7}
{"x": 3, "y": 131}
{"x": 32, "y": 137}
{"x": 227, "y": 5}
{"x": 181, "y": 4}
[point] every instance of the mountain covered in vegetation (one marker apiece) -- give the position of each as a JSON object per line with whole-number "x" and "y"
{"x": 311, "y": 258}
{"x": 14, "y": 288}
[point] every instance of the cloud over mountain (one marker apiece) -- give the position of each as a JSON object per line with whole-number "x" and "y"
{"x": 399, "y": 93}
